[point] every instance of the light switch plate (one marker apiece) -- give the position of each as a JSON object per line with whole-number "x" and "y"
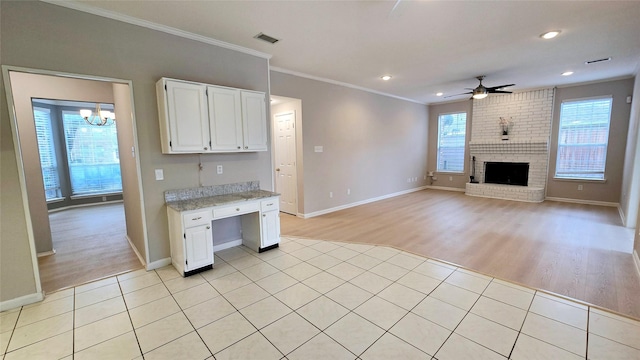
{"x": 159, "y": 174}
{"x": 219, "y": 169}
{"x": 318, "y": 148}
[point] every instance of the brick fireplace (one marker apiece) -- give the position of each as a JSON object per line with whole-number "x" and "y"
{"x": 528, "y": 142}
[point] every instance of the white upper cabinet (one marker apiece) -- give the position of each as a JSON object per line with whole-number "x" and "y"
{"x": 201, "y": 118}
{"x": 185, "y": 105}
{"x": 225, "y": 118}
{"x": 254, "y": 126}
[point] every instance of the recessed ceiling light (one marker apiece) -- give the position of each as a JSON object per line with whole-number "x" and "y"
{"x": 550, "y": 34}
{"x": 567, "y": 73}
{"x": 439, "y": 94}
{"x": 386, "y": 77}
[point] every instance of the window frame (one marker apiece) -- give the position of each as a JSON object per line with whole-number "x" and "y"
{"x": 464, "y": 151}
{"x": 606, "y": 143}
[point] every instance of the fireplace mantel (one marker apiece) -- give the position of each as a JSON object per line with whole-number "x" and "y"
{"x": 511, "y": 147}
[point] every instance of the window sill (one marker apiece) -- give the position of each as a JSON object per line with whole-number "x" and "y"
{"x": 55, "y": 200}
{"x": 85, "y": 196}
{"x": 595, "y": 181}
{"x": 449, "y": 173}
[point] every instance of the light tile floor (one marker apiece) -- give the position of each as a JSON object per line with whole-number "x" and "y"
{"x": 313, "y": 299}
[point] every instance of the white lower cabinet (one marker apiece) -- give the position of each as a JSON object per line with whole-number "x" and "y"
{"x": 191, "y": 232}
{"x": 191, "y": 239}
{"x": 198, "y": 244}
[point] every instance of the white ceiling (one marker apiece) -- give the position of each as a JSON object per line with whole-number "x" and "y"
{"x": 427, "y": 46}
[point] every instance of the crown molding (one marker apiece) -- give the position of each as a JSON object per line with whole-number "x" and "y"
{"x": 154, "y": 26}
{"x": 340, "y": 83}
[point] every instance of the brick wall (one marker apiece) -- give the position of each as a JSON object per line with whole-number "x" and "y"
{"x": 531, "y": 113}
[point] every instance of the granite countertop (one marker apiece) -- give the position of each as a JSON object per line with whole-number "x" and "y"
{"x": 219, "y": 200}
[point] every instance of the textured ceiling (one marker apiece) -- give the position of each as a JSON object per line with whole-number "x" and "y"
{"x": 427, "y": 46}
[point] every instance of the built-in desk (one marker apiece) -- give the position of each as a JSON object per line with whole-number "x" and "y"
{"x": 191, "y": 223}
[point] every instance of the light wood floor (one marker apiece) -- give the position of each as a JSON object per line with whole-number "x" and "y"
{"x": 580, "y": 251}
{"x": 90, "y": 244}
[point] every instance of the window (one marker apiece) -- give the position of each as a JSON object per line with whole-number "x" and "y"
{"x": 452, "y": 130}
{"x": 583, "y": 138}
{"x": 46, "y": 147}
{"x": 92, "y": 154}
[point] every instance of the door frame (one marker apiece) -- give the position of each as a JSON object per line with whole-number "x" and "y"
{"x": 296, "y": 108}
{"x": 6, "y": 69}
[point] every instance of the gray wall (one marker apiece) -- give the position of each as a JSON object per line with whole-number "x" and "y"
{"x": 610, "y": 190}
{"x": 44, "y": 36}
{"x": 372, "y": 143}
{"x": 457, "y": 180}
{"x": 630, "y": 199}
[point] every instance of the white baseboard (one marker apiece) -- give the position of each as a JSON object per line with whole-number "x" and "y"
{"x": 636, "y": 260}
{"x": 445, "y": 188}
{"x": 46, "y": 253}
{"x": 226, "y": 245}
{"x": 622, "y": 216}
{"x": 21, "y": 301}
{"x": 586, "y": 202}
{"x": 158, "y": 264}
{"x": 135, "y": 250}
{"x": 358, "y": 203}
{"x": 85, "y": 205}
{"x": 504, "y": 198}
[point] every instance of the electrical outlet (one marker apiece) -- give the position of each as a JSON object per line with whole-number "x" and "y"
{"x": 219, "y": 169}
{"x": 104, "y": 198}
{"x": 425, "y": 177}
{"x": 450, "y": 178}
{"x": 330, "y": 194}
{"x": 580, "y": 187}
{"x": 348, "y": 191}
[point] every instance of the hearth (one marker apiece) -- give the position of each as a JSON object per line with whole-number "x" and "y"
{"x": 507, "y": 173}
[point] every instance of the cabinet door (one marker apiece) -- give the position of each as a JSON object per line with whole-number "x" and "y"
{"x": 270, "y": 228}
{"x": 187, "y": 117}
{"x": 225, "y": 119}
{"x": 198, "y": 247}
{"x": 254, "y": 121}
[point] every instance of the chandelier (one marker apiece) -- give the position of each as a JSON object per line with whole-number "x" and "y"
{"x": 99, "y": 117}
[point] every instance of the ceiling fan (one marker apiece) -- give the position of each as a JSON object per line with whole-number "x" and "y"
{"x": 481, "y": 91}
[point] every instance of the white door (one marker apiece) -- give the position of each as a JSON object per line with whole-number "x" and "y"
{"x": 285, "y": 156}
{"x": 198, "y": 246}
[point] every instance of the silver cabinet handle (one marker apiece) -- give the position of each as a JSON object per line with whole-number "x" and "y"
{"x": 237, "y": 209}
{"x": 239, "y": 147}
{"x": 206, "y": 148}
{"x": 246, "y": 147}
{"x": 198, "y": 218}
{"x": 264, "y": 215}
{"x": 208, "y": 227}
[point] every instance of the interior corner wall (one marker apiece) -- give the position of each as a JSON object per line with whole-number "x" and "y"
{"x": 457, "y": 181}
{"x": 45, "y": 36}
{"x": 17, "y": 277}
{"x": 371, "y": 144}
{"x": 609, "y": 191}
{"x": 132, "y": 198}
{"x": 630, "y": 198}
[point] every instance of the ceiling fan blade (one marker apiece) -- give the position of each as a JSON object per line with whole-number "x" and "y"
{"x": 499, "y": 87}
{"x": 500, "y": 92}
{"x": 448, "y": 96}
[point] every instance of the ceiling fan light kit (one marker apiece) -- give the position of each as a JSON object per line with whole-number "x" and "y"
{"x": 482, "y": 92}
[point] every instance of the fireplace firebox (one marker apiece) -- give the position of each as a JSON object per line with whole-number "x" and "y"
{"x": 507, "y": 173}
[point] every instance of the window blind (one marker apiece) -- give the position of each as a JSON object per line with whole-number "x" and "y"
{"x": 452, "y": 130}
{"x": 583, "y": 139}
{"x": 92, "y": 155}
{"x": 46, "y": 148}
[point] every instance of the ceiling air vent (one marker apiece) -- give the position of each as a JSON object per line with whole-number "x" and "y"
{"x": 597, "y": 61}
{"x": 266, "y": 38}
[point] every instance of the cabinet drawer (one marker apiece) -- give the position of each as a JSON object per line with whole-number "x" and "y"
{"x": 268, "y": 205}
{"x": 236, "y": 209}
{"x": 196, "y": 218}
